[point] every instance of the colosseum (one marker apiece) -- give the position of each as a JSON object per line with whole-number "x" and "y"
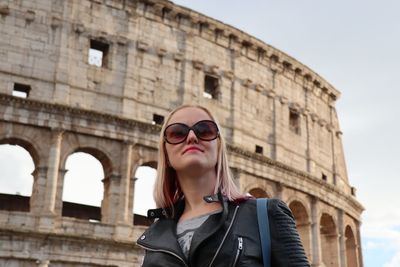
{"x": 57, "y": 99}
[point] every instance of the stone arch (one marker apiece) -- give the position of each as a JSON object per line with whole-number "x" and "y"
{"x": 79, "y": 180}
{"x": 98, "y": 153}
{"x": 89, "y": 212}
{"x": 15, "y": 201}
{"x": 303, "y": 224}
{"x": 258, "y": 193}
{"x": 258, "y": 190}
{"x": 145, "y": 175}
{"x": 329, "y": 241}
{"x": 25, "y": 143}
{"x": 144, "y": 156}
{"x": 351, "y": 247}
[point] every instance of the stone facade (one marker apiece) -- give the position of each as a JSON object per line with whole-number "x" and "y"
{"x": 278, "y": 116}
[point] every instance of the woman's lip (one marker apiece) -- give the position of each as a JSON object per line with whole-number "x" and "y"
{"x": 192, "y": 149}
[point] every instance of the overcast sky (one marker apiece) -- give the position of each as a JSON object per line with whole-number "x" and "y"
{"x": 355, "y": 46}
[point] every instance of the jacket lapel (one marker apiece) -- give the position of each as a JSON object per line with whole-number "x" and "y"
{"x": 210, "y": 227}
{"x": 162, "y": 236}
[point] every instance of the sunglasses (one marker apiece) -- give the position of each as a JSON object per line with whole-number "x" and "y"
{"x": 205, "y": 130}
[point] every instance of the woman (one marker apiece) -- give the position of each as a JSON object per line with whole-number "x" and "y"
{"x": 202, "y": 219}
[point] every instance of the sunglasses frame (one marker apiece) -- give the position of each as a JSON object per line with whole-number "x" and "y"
{"x": 193, "y": 129}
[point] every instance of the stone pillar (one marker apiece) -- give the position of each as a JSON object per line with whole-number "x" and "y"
{"x": 60, "y": 189}
{"x": 131, "y": 196}
{"x": 332, "y": 134}
{"x": 236, "y": 178}
{"x": 38, "y": 190}
{"x": 359, "y": 247}
{"x": 342, "y": 239}
{"x": 315, "y": 234}
{"x": 272, "y": 137}
{"x": 109, "y": 204}
{"x": 53, "y": 164}
{"x": 281, "y": 117}
{"x": 46, "y": 184}
{"x": 306, "y": 113}
{"x": 124, "y": 214}
{"x": 279, "y": 191}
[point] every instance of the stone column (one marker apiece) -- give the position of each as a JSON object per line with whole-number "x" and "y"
{"x": 342, "y": 239}
{"x": 53, "y": 164}
{"x": 315, "y": 234}
{"x": 359, "y": 248}
{"x": 60, "y": 189}
{"x": 272, "y": 138}
{"x": 281, "y": 118}
{"x": 236, "y": 177}
{"x": 109, "y": 204}
{"x": 124, "y": 214}
{"x": 279, "y": 191}
{"x": 332, "y": 134}
{"x": 38, "y": 190}
{"x": 306, "y": 113}
{"x": 48, "y": 200}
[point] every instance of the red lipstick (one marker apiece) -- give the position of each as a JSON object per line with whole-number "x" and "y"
{"x": 192, "y": 148}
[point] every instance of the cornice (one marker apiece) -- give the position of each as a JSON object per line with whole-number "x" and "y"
{"x": 9, "y": 100}
{"x": 294, "y": 172}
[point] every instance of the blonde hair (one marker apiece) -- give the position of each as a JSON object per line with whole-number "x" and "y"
{"x": 167, "y": 190}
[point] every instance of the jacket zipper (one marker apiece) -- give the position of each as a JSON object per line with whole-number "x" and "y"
{"x": 165, "y": 251}
{"x": 239, "y": 251}
{"x": 223, "y": 239}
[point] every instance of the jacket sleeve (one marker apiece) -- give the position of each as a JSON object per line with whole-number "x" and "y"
{"x": 287, "y": 249}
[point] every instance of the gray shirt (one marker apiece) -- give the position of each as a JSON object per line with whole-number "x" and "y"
{"x": 186, "y": 229}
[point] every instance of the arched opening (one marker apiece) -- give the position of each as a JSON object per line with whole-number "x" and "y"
{"x": 258, "y": 193}
{"x": 351, "y": 248}
{"x": 16, "y": 180}
{"x": 329, "y": 241}
{"x": 145, "y": 177}
{"x": 83, "y": 189}
{"x": 303, "y": 225}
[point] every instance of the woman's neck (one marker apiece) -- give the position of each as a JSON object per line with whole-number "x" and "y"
{"x": 194, "y": 190}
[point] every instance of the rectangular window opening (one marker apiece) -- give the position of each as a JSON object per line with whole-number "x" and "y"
{"x": 294, "y": 121}
{"x": 259, "y": 149}
{"x": 211, "y": 87}
{"x": 21, "y": 90}
{"x": 353, "y": 191}
{"x": 98, "y": 53}
{"x": 158, "y": 119}
{"x": 324, "y": 177}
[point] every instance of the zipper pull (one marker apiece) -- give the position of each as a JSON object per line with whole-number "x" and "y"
{"x": 240, "y": 245}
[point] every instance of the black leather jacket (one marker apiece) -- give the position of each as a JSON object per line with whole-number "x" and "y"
{"x": 230, "y": 238}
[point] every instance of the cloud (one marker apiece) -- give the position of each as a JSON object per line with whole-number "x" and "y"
{"x": 381, "y": 239}
{"x": 394, "y": 262}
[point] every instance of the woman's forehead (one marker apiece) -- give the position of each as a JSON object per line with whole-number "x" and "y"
{"x": 189, "y": 115}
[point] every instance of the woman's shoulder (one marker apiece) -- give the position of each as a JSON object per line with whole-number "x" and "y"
{"x": 275, "y": 206}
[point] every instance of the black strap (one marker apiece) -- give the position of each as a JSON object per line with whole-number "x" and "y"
{"x": 263, "y": 227}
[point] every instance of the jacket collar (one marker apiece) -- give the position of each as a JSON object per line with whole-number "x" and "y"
{"x": 161, "y": 235}
{"x": 177, "y": 210}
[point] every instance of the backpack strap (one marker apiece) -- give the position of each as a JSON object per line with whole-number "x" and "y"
{"x": 263, "y": 228}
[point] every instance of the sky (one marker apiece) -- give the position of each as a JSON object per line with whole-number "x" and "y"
{"x": 355, "y": 46}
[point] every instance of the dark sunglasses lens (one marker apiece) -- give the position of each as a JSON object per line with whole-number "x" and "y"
{"x": 176, "y": 133}
{"x": 206, "y": 130}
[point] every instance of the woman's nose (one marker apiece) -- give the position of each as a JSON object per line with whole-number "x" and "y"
{"x": 191, "y": 138}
